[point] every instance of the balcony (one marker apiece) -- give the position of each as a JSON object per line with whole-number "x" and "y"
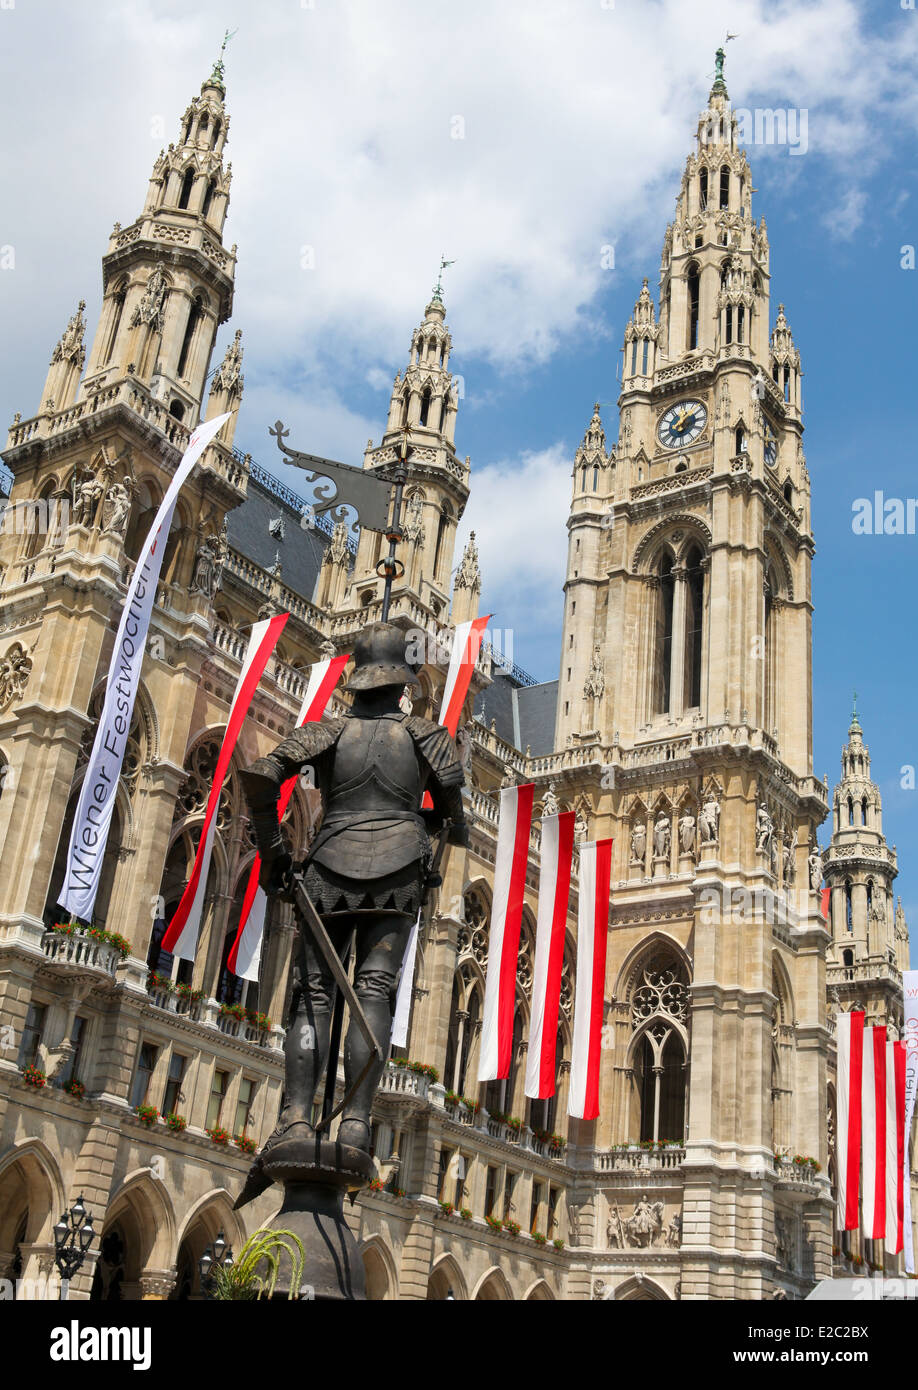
{"x": 801, "y": 1180}
{"x": 78, "y": 954}
{"x": 637, "y": 1160}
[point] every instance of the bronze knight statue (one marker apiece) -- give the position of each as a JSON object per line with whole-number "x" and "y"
{"x": 366, "y": 872}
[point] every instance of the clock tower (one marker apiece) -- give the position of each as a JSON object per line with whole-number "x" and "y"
{"x": 685, "y": 719}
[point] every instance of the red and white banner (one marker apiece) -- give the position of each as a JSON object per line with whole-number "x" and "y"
{"x": 92, "y": 818}
{"x": 873, "y": 1134}
{"x": 510, "y": 861}
{"x": 464, "y": 659}
{"x": 895, "y": 1146}
{"x": 181, "y": 937}
{"x": 849, "y": 1039}
{"x": 554, "y": 895}
{"x": 824, "y": 899}
{"x": 592, "y": 943}
{"x": 245, "y": 954}
{"x": 910, "y": 1033}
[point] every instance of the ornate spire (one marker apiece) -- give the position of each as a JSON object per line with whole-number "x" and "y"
{"x": 228, "y": 376}
{"x": 855, "y": 722}
{"x": 720, "y": 86}
{"x": 216, "y": 77}
{"x": 69, "y": 347}
{"x": 438, "y": 287}
{"x": 468, "y": 576}
{"x": 594, "y": 441}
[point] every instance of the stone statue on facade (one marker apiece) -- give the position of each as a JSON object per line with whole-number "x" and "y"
{"x": 151, "y": 307}
{"x": 204, "y": 578}
{"x": 790, "y": 860}
{"x": 687, "y": 833}
{"x": 644, "y": 1227}
{"x": 550, "y": 806}
{"x": 638, "y": 842}
{"x": 709, "y": 822}
{"x": 86, "y": 500}
{"x": 581, "y": 828}
{"x": 595, "y": 684}
{"x": 764, "y": 830}
{"x": 615, "y": 1231}
{"x": 814, "y": 865}
{"x": 117, "y": 507}
{"x": 674, "y": 1232}
{"x": 662, "y": 836}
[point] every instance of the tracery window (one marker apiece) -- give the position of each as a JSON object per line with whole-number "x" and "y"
{"x": 660, "y": 1017}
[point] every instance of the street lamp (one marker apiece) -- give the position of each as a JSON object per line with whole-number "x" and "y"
{"x": 73, "y": 1236}
{"x": 215, "y": 1257}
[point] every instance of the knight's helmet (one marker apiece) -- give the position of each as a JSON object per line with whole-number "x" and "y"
{"x": 381, "y": 659}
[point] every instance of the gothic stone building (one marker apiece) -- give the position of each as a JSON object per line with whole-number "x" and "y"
{"x": 680, "y": 726}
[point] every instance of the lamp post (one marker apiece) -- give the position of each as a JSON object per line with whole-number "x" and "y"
{"x": 215, "y": 1257}
{"x": 73, "y": 1236}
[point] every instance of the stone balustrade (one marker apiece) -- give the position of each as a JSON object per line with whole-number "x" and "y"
{"x": 79, "y": 953}
{"x": 635, "y": 1158}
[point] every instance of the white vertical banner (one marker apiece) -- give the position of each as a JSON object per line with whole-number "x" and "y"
{"x": 405, "y": 987}
{"x": 93, "y": 815}
{"x": 910, "y": 1034}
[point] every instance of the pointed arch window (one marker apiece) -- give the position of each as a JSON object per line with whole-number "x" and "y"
{"x": 646, "y": 355}
{"x": 216, "y": 134}
{"x": 740, "y": 322}
{"x": 117, "y": 310}
{"x": 724, "y": 185}
{"x": 208, "y": 197}
{"x": 634, "y": 357}
{"x": 664, "y": 638}
{"x": 595, "y": 478}
{"x": 187, "y": 185}
{"x": 425, "y": 407}
{"x": 864, "y": 812}
{"x": 786, "y": 382}
{"x": 583, "y": 478}
{"x": 851, "y": 812}
{"x": 703, "y": 189}
{"x": 789, "y": 493}
{"x": 694, "y": 614}
{"x": 195, "y": 314}
{"x": 849, "y": 911}
{"x": 768, "y": 701}
{"x": 728, "y": 334}
{"x": 445, "y": 518}
{"x": 659, "y": 1014}
{"x": 869, "y": 896}
{"x": 694, "y": 291}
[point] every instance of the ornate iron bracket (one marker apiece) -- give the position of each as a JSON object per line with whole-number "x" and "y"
{"x": 338, "y": 486}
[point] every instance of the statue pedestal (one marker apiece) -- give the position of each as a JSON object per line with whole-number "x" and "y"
{"x": 660, "y": 867}
{"x": 316, "y": 1175}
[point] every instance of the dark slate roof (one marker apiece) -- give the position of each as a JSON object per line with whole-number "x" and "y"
{"x": 524, "y": 715}
{"x": 537, "y": 706}
{"x": 301, "y": 550}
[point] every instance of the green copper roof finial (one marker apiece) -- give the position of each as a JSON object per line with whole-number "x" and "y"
{"x": 438, "y": 287}
{"x": 719, "y": 83}
{"x": 219, "y": 66}
{"x": 854, "y": 719}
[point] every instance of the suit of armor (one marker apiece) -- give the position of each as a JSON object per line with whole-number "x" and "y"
{"x": 366, "y": 869}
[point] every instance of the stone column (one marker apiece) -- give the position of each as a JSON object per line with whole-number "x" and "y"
{"x": 157, "y": 1285}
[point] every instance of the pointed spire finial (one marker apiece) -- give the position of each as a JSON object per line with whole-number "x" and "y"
{"x": 855, "y": 722}
{"x": 219, "y": 66}
{"x": 720, "y": 85}
{"x": 438, "y": 287}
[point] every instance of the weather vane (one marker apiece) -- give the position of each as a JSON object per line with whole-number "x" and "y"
{"x": 219, "y": 64}
{"x": 438, "y": 287}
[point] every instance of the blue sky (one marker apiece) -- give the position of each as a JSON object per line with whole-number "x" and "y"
{"x": 577, "y": 121}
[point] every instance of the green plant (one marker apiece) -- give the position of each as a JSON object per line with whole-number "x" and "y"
{"x": 447, "y": 1208}
{"x": 558, "y": 1244}
{"x": 219, "y": 1135}
{"x": 110, "y": 938}
{"x": 421, "y": 1068}
{"x": 513, "y": 1227}
{"x": 474, "y": 1106}
{"x": 186, "y": 992}
{"x": 242, "y": 1282}
{"x": 175, "y": 1122}
{"x": 147, "y": 1114}
{"x": 465, "y": 1213}
{"x": 32, "y": 1076}
{"x": 539, "y": 1238}
{"x": 257, "y": 1020}
{"x": 554, "y": 1141}
{"x": 495, "y": 1223}
{"x": 75, "y": 1088}
{"x": 243, "y": 1142}
{"x": 375, "y": 1186}
{"x": 237, "y": 1011}
{"x": 160, "y": 982}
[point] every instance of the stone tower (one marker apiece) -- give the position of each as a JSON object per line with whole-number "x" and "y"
{"x": 89, "y": 470}
{"x": 870, "y": 946}
{"x": 685, "y": 689}
{"x": 424, "y": 403}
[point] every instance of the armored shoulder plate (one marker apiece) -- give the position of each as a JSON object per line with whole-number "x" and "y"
{"x": 302, "y": 746}
{"x": 438, "y": 750}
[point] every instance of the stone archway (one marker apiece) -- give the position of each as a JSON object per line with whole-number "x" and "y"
{"x": 382, "y": 1280}
{"x": 493, "y": 1288}
{"x": 446, "y": 1278}
{"x": 31, "y": 1197}
{"x": 211, "y": 1216}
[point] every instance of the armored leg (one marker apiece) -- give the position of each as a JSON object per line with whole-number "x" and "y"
{"x": 381, "y": 944}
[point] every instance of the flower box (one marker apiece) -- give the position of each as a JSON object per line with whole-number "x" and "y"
{"x": 375, "y": 1186}
{"x": 243, "y": 1142}
{"x": 147, "y": 1114}
{"x": 420, "y": 1068}
{"x": 159, "y": 982}
{"x": 495, "y": 1223}
{"x": 558, "y": 1244}
{"x": 194, "y": 996}
{"x": 175, "y": 1122}
{"x": 219, "y": 1136}
{"x": 237, "y": 1011}
{"x": 34, "y": 1078}
{"x": 512, "y": 1227}
{"x": 109, "y": 938}
{"x": 465, "y": 1213}
{"x": 447, "y": 1208}
{"x": 257, "y": 1019}
{"x": 75, "y": 1088}
{"x": 539, "y": 1238}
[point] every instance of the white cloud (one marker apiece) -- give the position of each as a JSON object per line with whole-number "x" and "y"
{"x": 846, "y": 217}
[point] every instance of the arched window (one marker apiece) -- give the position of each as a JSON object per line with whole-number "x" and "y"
{"x": 869, "y": 895}
{"x": 740, "y": 322}
{"x": 740, "y": 440}
{"x": 216, "y": 134}
{"x": 789, "y": 493}
{"x": 728, "y": 336}
{"x": 445, "y": 517}
{"x": 645, "y": 356}
{"x": 203, "y": 124}
{"x": 848, "y": 959}
{"x": 117, "y": 310}
{"x": 694, "y": 616}
{"x": 659, "y": 1016}
{"x": 208, "y": 197}
{"x": 694, "y": 290}
{"x": 425, "y": 407}
{"x": 864, "y": 811}
{"x": 725, "y": 185}
{"x": 177, "y": 409}
{"x": 768, "y": 700}
{"x": 849, "y": 914}
{"x": 634, "y": 357}
{"x": 851, "y": 812}
{"x": 187, "y": 131}
{"x": 595, "y": 478}
{"x": 195, "y": 313}
{"x": 664, "y": 637}
{"x": 583, "y": 478}
{"x": 703, "y": 189}
{"x": 187, "y": 185}
{"x": 786, "y": 382}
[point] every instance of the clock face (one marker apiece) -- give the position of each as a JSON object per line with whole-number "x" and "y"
{"x": 682, "y": 424}
{"x": 771, "y": 446}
